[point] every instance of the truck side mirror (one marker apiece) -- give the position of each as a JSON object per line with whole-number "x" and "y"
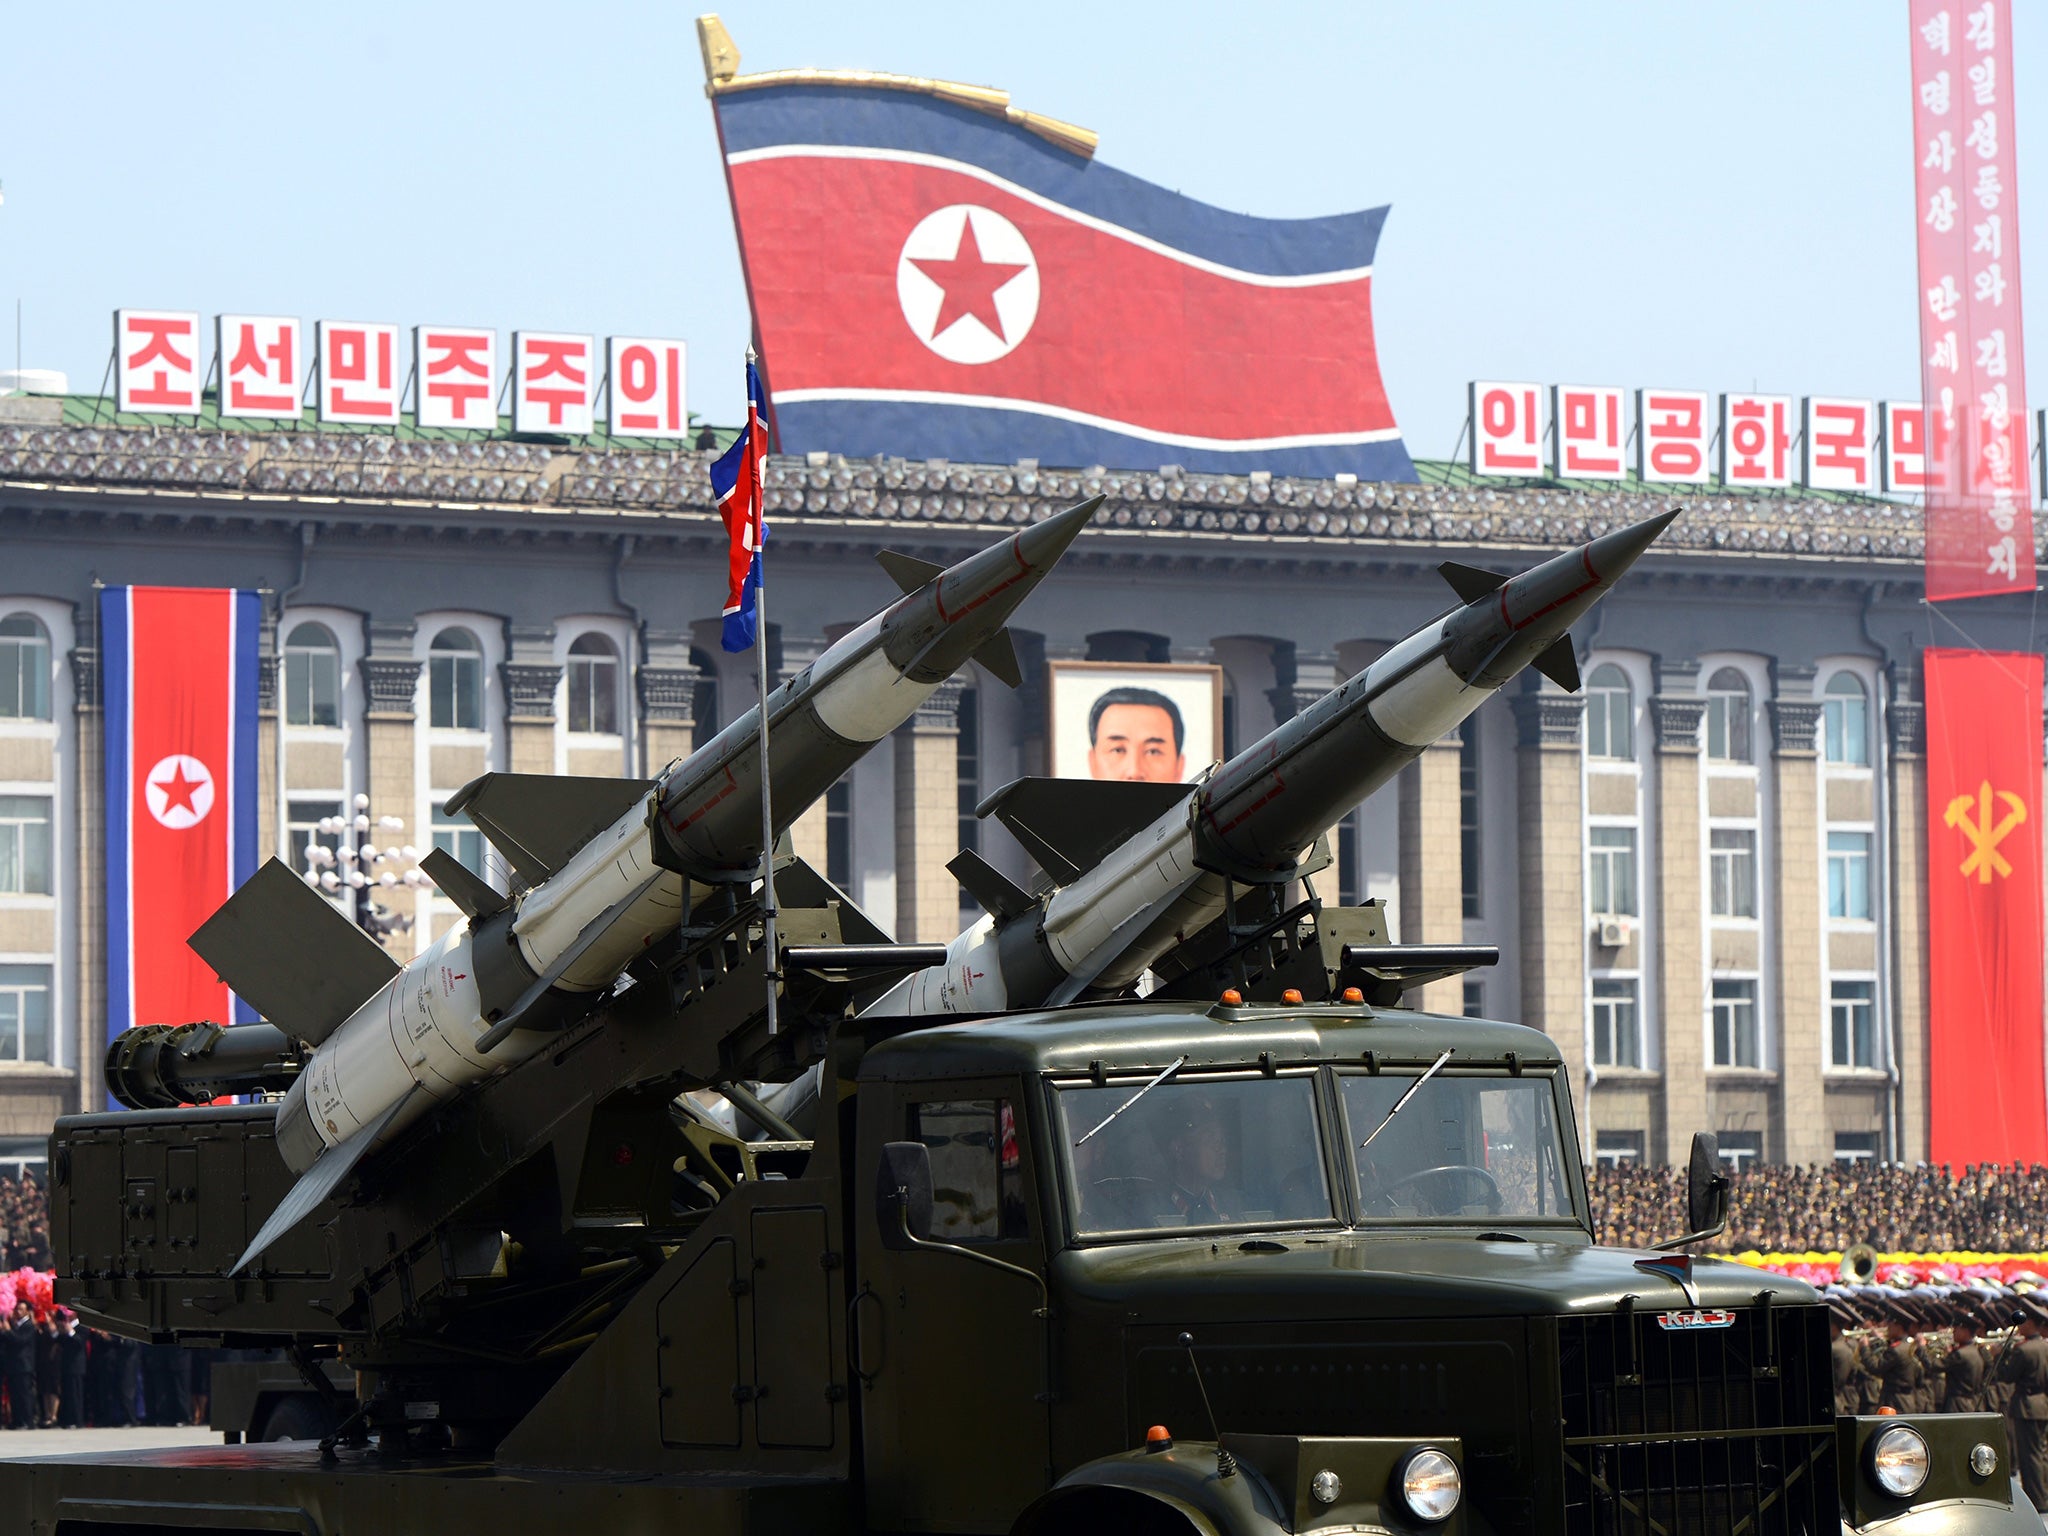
{"x": 903, "y": 1195}
{"x": 1706, "y": 1186}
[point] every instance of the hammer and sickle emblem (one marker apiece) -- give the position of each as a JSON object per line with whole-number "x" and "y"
{"x": 1984, "y": 835}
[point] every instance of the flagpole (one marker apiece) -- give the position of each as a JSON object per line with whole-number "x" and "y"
{"x": 772, "y": 974}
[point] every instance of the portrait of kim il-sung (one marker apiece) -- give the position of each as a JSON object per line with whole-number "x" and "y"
{"x": 1161, "y": 724}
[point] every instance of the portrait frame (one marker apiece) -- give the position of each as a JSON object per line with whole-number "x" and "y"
{"x": 1072, "y": 687}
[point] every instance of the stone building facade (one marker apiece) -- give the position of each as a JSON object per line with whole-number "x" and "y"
{"x": 1705, "y": 872}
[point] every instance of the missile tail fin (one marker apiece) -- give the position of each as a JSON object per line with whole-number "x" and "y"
{"x": 539, "y": 820}
{"x": 318, "y": 1182}
{"x": 1067, "y": 825}
{"x": 988, "y": 885}
{"x": 1560, "y": 663}
{"x": 290, "y": 955}
{"x": 462, "y": 885}
{"x": 1469, "y": 582}
{"x": 999, "y": 655}
{"x": 907, "y": 571}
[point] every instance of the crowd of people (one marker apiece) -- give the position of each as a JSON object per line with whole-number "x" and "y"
{"x": 1894, "y": 1207}
{"x": 24, "y": 1225}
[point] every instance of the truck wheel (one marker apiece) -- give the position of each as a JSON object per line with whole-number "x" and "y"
{"x": 1102, "y": 1512}
{"x": 296, "y": 1418}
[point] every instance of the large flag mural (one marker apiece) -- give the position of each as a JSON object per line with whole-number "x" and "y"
{"x": 938, "y": 275}
{"x": 1984, "y": 899}
{"x": 179, "y": 667}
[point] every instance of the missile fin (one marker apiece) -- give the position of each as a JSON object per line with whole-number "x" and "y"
{"x": 461, "y": 885}
{"x": 797, "y": 884}
{"x": 1560, "y": 663}
{"x": 1468, "y": 581}
{"x": 290, "y": 955}
{"x": 907, "y": 571}
{"x": 539, "y": 820}
{"x": 989, "y": 885}
{"x": 320, "y": 1181}
{"x": 999, "y": 655}
{"x": 1067, "y": 825}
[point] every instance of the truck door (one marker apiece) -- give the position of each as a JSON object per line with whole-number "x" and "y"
{"x": 951, "y": 1355}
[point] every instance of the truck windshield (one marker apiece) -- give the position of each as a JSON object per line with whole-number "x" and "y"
{"x": 1463, "y": 1149}
{"x": 1196, "y": 1152}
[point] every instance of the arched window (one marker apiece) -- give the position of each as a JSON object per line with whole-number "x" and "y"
{"x": 24, "y": 668}
{"x": 1845, "y": 721}
{"x": 455, "y": 681}
{"x": 1610, "y": 714}
{"x": 1728, "y": 717}
{"x": 593, "y": 685}
{"x": 312, "y": 676}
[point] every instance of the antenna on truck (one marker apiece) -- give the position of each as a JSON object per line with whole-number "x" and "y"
{"x": 1226, "y": 1464}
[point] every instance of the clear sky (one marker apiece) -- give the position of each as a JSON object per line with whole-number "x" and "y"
{"x": 1708, "y": 197}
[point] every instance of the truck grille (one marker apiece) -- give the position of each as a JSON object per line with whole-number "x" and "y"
{"x": 1698, "y": 1432}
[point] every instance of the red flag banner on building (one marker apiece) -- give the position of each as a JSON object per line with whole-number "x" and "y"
{"x": 179, "y": 690}
{"x": 1984, "y": 901}
{"x": 1980, "y": 527}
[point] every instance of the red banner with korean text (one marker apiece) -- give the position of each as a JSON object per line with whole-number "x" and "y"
{"x": 1980, "y": 527}
{"x": 1984, "y": 900}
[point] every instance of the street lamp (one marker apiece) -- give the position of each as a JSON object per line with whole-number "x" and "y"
{"x": 357, "y": 864}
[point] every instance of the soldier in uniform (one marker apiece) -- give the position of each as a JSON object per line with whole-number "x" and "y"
{"x": 1963, "y": 1371}
{"x": 1848, "y": 1386}
{"x": 2025, "y": 1365}
{"x": 1897, "y": 1365}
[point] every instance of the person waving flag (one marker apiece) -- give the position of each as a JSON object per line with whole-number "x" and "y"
{"x": 736, "y": 481}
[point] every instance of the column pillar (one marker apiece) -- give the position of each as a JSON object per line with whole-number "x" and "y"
{"x": 928, "y": 819}
{"x": 1675, "y": 714}
{"x": 1797, "y": 1017}
{"x": 89, "y": 799}
{"x": 268, "y": 741}
{"x": 391, "y": 675}
{"x": 666, "y": 688}
{"x": 1431, "y": 862}
{"x": 807, "y": 834}
{"x": 1551, "y": 884}
{"x": 1908, "y": 938}
{"x": 532, "y": 678}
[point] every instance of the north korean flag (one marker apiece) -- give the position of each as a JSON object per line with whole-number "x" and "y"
{"x": 933, "y": 282}
{"x": 179, "y": 692}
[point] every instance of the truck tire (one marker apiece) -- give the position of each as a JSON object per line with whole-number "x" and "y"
{"x": 1103, "y": 1512}
{"x": 301, "y": 1417}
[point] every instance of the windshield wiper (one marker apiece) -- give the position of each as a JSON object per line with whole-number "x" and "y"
{"x": 1402, "y": 1102}
{"x": 1178, "y": 1063}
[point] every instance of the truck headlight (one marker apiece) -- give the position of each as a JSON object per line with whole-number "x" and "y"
{"x": 1430, "y": 1484}
{"x": 1898, "y": 1461}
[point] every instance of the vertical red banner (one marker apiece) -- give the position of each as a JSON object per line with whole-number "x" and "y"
{"x": 1984, "y": 899}
{"x": 1980, "y": 527}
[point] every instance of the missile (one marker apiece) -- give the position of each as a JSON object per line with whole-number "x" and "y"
{"x": 608, "y": 866}
{"x": 1152, "y": 864}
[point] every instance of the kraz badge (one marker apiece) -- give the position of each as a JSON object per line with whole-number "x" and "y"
{"x": 1680, "y": 1321}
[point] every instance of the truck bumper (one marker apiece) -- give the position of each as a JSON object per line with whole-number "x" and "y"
{"x": 1958, "y": 1517}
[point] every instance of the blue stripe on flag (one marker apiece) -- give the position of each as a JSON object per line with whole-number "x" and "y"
{"x": 115, "y": 673}
{"x": 247, "y": 660}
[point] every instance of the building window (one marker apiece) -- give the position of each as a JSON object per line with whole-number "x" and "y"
{"x": 1613, "y": 1148}
{"x": 312, "y": 676}
{"x": 24, "y": 1013}
{"x": 1845, "y": 721}
{"x": 1229, "y": 721}
{"x": 704, "y": 697}
{"x": 24, "y": 1158}
{"x": 1741, "y": 1150}
{"x": 1610, "y": 714}
{"x": 24, "y": 845}
{"x": 1731, "y": 855}
{"x": 1852, "y": 1015}
{"x": 1468, "y": 812}
{"x": 455, "y": 682}
{"x": 593, "y": 686}
{"x": 455, "y": 834}
{"x": 839, "y": 834}
{"x": 1475, "y": 999}
{"x": 967, "y": 770}
{"x": 1735, "y": 1036}
{"x": 305, "y": 833}
{"x": 1849, "y": 874}
{"x": 1350, "y": 881}
{"x": 1613, "y": 859}
{"x": 1855, "y": 1146}
{"x": 1728, "y": 717}
{"x": 1617, "y": 1037}
{"x": 24, "y": 668}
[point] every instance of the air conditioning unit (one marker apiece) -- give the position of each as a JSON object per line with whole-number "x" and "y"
{"x": 1613, "y": 932}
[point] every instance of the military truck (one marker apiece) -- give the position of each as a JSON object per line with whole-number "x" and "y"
{"x": 1260, "y": 1252}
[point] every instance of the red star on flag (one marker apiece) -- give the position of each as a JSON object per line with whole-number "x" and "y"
{"x": 178, "y": 790}
{"x": 971, "y": 284}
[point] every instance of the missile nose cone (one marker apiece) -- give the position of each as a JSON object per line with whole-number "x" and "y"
{"x": 1613, "y": 553}
{"x": 932, "y": 632}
